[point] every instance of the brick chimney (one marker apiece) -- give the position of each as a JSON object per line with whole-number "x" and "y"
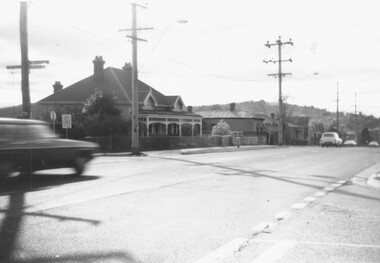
{"x": 232, "y": 106}
{"x": 127, "y": 67}
{"x": 190, "y": 109}
{"x": 57, "y": 86}
{"x": 98, "y": 67}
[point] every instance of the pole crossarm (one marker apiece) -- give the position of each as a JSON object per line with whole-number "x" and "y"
{"x": 139, "y": 28}
{"x": 277, "y": 61}
{"x": 137, "y": 38}
{"x": 32, "y": 64}
{"x": 282, "y": 74}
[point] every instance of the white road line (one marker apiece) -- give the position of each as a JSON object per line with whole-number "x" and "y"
{"x": 282, "y": 215}
{"x": 224, "y": 251}
{"x": 341, "y": 182}
{"x": 310, "y": 199}
{"x": 261, "y": 228}
{"x": 298, "y": 206}
{"x": 328, "y": 189}
{"x": 320, "y": 193}
{"x": 275, "y": 252}
{"x": 317, "y": 243}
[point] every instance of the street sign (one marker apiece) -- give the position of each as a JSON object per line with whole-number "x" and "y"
{"x": 66, "y": 121}
{"x": 53, "y": 115}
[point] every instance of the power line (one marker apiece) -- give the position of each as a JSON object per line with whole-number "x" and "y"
{"x": 71, "y": 25}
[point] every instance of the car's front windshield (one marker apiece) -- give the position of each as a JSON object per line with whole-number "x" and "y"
{"x": 39, "y": 131}
{"x": 30, "y": 131}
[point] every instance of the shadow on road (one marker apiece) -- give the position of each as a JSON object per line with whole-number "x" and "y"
{"x": 14, "y": 214}
{"x": 36, "y": 182}
{"x": 233, "y": 171}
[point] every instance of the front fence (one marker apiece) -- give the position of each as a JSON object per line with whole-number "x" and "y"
{"x": 123, "y": 144}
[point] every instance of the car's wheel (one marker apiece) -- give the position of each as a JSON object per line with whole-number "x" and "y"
{"x": 80, "y": 164}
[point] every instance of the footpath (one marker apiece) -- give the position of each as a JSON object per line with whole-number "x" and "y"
{"x": 189, "y": 151}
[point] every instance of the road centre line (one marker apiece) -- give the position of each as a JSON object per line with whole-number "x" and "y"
{"x": 260, "y": 228}
{"x": 316, "y": 243}
{"x": 320, "y": 193}
{"x": 341, "y": 182}
{"x": 224, "y": 251}
{"x": 310, "y": 199}
{"x": 298, "y": 206}
{"x": 283, "y": 215}
{"x": 275, "y": 252}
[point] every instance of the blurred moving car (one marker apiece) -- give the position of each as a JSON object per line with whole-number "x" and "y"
{"x": 30, "y": 145}
{"x": 330, "y": 139}
{"x": 373, "y": 144}
{"x": 350, "y": 143}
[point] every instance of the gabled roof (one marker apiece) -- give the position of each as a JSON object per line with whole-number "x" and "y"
{"x": 225, "y": 114}
{"x": 115, "y": 81}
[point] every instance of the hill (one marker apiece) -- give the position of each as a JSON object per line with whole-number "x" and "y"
{"x": 317, "y": 115}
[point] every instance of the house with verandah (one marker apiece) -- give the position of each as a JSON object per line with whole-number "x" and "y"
{"x": 159, "y": 114}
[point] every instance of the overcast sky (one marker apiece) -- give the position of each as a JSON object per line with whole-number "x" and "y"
{"x": 214, "y": 58}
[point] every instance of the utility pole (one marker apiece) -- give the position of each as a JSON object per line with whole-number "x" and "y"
{"x": 337, "y": 107}
{"x": 135, "y": 91}
{"x": 26, "y": 65}
{"x": 279, "y": 43}
{"x": 355, "y": 120}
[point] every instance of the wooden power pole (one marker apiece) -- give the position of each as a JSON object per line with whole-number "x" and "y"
{"x": 135, "y": 91}
{"x": 279, "y": 43}
{"x": 26, "y": 65}
{"x": 337, "y": 107}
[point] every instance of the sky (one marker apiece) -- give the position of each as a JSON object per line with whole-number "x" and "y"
{"x": 207, "y": 51}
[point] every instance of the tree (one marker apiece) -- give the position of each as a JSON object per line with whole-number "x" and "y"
{"x": 221, "y": 128}
{"x": 365, "y": 136}
{"x": 100, "y": 117}
{"x": 102, "y": 104}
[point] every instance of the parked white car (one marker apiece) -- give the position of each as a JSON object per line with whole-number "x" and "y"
{"x": 330, "y": 139}
{"x": 350, "y": 143}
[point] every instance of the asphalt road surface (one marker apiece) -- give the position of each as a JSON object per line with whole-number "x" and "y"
{"x": 243, "y": 206}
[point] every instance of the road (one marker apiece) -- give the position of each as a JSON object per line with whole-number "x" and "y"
{"x": 167, "y": 207}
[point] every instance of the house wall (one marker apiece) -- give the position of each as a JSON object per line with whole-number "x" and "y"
{"x": 247, "y": 126}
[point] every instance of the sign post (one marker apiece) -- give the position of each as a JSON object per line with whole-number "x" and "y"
{"x": 66, "y": 122}
{"x": 53, "y": 117}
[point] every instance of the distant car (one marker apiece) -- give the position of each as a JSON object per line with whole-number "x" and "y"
{"x": 330, "y": 139}
{"x": 373, "y": 144}
{"x": 350, "y": 143}
{"x": 30, "y": 145}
